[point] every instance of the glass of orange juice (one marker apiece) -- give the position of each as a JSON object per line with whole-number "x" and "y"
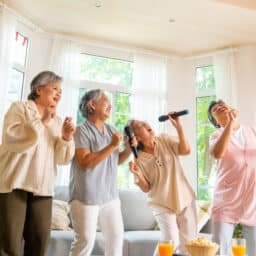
{"x": 165, "y": 248}
{"x": 238, "y": 247}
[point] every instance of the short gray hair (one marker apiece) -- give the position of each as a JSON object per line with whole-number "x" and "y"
{"x": 89, "y": 96}
{"x": 41, "y": 80}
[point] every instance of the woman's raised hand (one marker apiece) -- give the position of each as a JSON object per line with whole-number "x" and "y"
{"x": 232, "y": 115}
{"x": 175, "y": 121}
{"x": 68, "y": 128}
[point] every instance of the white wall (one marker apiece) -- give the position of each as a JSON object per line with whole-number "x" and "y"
{"x": 245, "y": 64}
{"x": 181, "y": 95}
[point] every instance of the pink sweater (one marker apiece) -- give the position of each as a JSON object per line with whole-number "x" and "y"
{"x": 235, "y": 189}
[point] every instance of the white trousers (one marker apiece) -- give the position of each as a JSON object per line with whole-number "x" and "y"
{"x": 223, "y": 232}
{"x": 179, "y": 228}
{"x": 85, "y": 219}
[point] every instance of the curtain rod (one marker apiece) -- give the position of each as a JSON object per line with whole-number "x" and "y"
{"x": 95, "y": 43}
{"x": 211, "y": 53}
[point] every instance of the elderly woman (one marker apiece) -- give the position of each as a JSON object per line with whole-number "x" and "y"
{"x": 234, "y": 201}
{"x": 158, "y": 171}
{"x": 94, "y": 194}
{"x": 34, "y": 141}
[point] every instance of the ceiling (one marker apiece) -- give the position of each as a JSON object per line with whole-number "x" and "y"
{"x": 200, "y": 25}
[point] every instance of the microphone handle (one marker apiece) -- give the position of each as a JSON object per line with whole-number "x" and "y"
{"x": 135, "y": 152}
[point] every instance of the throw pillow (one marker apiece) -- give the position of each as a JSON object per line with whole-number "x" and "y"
{"x": 60, "y": 219}
{"x": 203, "y": 213}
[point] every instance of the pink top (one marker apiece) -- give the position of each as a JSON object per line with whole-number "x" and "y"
{"x": 235, "y": 189}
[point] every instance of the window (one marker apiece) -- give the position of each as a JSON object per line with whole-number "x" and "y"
{"x": 205, "y": 86}
{"x": 16, "y": 82}
{"x": 115, "y": 78}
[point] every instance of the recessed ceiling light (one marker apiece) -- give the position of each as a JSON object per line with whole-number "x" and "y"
{"x": 171, "y": 20}
{"x": 98, "y": 3}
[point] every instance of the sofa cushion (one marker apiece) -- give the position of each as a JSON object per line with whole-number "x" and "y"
{"x": 203, "y": 213}
{"x": 136, "y": 213}
{"x": 60, "y": 218}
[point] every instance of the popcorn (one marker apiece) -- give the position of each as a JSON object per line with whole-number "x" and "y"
{"x": 201, "y": 241}
{"x": 202, "y": 247}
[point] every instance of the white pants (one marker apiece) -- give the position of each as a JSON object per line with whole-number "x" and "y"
{"x": 85, "y": 219}
{"x": 223, "y": 232}
{"x": 178, "y": 228}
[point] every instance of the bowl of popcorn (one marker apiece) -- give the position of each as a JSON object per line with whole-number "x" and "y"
{"x": 201, "y": 247}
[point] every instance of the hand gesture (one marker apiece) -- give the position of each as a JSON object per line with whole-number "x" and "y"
{"x": 116, "y": 139}
{"x": 68, "y": 128}
{"x": 232, "y": 115}
{"x": 131, "y": 143}
{"x": 175, "y": 121}
{"x": 134, "y": 168}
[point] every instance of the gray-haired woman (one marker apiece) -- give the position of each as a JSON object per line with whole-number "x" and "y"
{"x": 94, "y": 194}
{"x": 34, "y": 140}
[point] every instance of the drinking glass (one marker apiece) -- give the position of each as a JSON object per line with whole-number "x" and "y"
{"x": 238, "y": 247}
{"x": 165, "y": 248}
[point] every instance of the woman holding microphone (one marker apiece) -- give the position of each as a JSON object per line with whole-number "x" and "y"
{"x": 158, "y": 171}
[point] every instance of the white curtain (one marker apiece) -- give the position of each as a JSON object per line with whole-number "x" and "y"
{"x": 7, "y": 36}
{"x": 149, "y": 89}
{"x": 65, "y": 61}
{"x": 246, "y": 83}
{"x": 225, "y": 77}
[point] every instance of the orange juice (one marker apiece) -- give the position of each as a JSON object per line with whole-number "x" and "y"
{"x": 165, "y": 249}
{"x": 238, "y": 250}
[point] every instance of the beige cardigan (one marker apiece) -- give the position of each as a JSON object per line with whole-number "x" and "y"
{"x": 30, "y": 150}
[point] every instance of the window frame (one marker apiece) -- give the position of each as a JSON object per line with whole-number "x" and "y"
{"x": 19, "y": 67}
{"x": 205, "y": 93}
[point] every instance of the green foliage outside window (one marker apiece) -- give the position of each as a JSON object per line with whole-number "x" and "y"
{"x": 106, "y": 70}
{"x": 205, "y": 163}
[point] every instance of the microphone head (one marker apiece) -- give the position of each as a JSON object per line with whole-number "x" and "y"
{"x": 127, "y": 131}
{"x": 163, "y": 118}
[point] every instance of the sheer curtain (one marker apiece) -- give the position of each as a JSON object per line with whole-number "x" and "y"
{"x": 65, "y": 61}
{"x": 7, "y": 35}
{"x": 225, "y": 77}
{"x": 148, "y": 99}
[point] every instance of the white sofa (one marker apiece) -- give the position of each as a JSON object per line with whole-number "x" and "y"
{"x": 140, "y": 236}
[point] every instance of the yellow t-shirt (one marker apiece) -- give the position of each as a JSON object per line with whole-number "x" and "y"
{"x": 163, "y": 170}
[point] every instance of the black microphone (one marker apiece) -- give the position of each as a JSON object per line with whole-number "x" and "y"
{"x": 128, "y": 132}
{"x": 174, "y": 115}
